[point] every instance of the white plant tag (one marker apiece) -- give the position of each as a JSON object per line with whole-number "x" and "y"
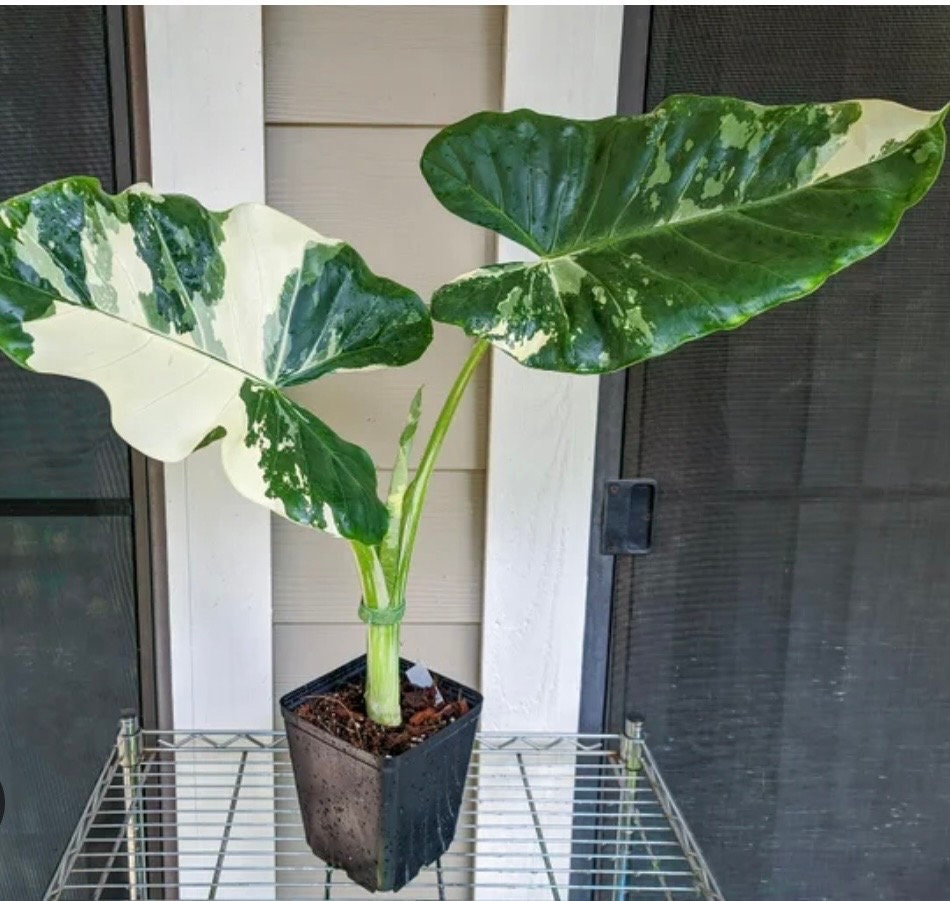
{"x": 419, "y": 676}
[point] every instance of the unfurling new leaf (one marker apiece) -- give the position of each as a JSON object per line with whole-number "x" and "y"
{"x": 398, "y": 484}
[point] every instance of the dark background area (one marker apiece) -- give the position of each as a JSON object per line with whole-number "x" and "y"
{"x": 68, "y": 656}
{"x": 788, "y": 637}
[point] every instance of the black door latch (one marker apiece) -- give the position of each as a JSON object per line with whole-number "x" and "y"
{"x": 627, "y": 526}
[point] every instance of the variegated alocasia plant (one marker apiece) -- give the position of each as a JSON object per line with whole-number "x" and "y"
{"x": 646, "y": 232}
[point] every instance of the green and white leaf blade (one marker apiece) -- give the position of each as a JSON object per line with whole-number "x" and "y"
{"x": 655, "y": 230}
{"x": 191, "y": 322}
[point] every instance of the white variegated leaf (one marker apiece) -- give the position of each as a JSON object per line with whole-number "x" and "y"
{"x": 191, "y": 322}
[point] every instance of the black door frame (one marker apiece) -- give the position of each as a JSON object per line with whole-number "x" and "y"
{"x": 125, "y": 38}
{"x": 617, "y": 392}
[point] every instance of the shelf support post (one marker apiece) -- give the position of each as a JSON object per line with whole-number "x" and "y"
{"x": 631, "y": 745}
{"x": 129, "y": 746}
{"x": 631, "y": 757}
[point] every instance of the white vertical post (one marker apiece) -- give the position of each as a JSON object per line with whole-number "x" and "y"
{"x": 206, "y": 111}
{"x": 563, "y": 60}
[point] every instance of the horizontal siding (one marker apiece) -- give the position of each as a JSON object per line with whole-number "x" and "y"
{"x": 364, "y": 186}
{"x": 370, "y": 408}
{"x": 381, "y": 64}
{"x": 315, "y": 579}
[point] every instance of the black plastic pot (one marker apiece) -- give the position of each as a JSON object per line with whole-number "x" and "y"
{"x": 379, "y": 818}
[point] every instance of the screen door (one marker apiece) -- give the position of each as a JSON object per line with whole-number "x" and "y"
{"x": 68, "y": 637}
{"x": 788, "y": 639}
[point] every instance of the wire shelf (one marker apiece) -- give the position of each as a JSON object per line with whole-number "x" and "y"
{"x": 214, "y": 815}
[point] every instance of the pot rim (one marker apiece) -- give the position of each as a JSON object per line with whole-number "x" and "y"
{"x": 292, "y": 700}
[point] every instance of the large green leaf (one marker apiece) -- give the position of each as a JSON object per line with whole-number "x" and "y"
{"x": 655, "y": 230}
{"x": 191, "y": 322}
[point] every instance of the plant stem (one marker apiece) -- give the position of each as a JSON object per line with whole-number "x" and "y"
{"x": 382, "y": 642}
{"x": 382, "y": 674}
{"x": 416, "y": 495}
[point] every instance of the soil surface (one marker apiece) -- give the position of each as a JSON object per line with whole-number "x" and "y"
{"x": 343, "y": 713}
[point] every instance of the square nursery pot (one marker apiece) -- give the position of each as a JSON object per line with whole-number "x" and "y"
{"x": 381, "y": 819}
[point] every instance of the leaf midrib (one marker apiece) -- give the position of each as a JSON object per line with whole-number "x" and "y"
{"x": 254, "y": 377}
{"x": 143, "y": 328}
{"x": 169, "y": 258}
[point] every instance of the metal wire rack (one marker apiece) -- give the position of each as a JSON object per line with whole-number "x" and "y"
{"x": 212, "y": 815}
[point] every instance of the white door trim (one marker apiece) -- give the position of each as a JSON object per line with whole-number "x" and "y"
{"x": 206, "y": 116}
{"x": 563, "y": 60}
